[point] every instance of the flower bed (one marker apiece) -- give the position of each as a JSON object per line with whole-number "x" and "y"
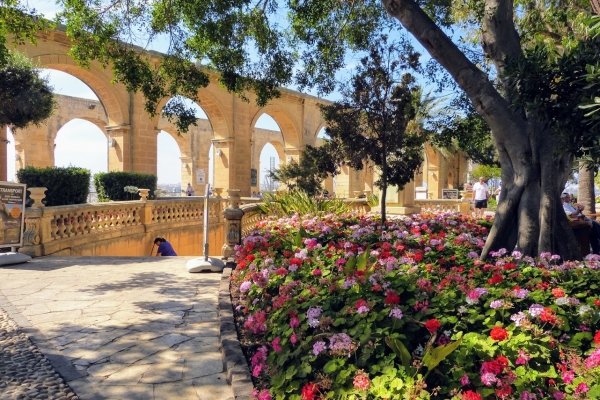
{"x": 329, "y": 309}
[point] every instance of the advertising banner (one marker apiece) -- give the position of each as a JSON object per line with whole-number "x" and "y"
{"x": 12, "y": 214}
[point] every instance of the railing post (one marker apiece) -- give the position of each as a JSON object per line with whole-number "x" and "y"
{"x": 37, "y": 194}
{"x": 233, "y": 224}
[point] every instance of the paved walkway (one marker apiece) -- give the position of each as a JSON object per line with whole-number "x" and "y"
{"x": 121, "y": 328}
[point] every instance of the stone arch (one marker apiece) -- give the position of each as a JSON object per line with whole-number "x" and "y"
{"x": 218, "y": 119}
{"x": 289, "y": 128}
{"x": 96, "y": 78}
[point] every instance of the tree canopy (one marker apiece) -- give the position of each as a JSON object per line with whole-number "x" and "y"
{"x": 25, "y": 97}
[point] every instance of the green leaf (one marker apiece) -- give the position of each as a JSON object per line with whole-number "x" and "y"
{"x": 330, "y": 367}
{"x": 350, "y": 264}
{"x": 361, "y": 263}
{"x": 401, "y": 351}
{"x": 436, "y": 355}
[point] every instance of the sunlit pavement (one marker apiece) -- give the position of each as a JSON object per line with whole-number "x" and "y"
{"x": 120, "y": 327}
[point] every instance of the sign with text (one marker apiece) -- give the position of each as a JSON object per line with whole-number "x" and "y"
{"x": 12, "y": 214}
{"x": 200, "y": 177}
{"x": 450, "y": 193}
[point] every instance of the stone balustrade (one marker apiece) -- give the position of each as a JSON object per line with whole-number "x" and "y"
{"x": 122, "y": 228}
{"x": 444, "y": 205}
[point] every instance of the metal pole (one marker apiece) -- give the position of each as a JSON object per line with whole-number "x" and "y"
{"x": 206, "y": 195}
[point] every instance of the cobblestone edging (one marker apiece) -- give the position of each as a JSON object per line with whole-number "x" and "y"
{"x": 238, "y": 373}
{"x": 30, "y": 367}
{"x": 24, "y": 371}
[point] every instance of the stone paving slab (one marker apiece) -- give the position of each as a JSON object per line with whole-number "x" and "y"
{"x": 122, "y": 327}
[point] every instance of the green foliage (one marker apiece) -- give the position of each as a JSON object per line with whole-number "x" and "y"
{"x": 303, "y": 176}
{"x": 19, "y": 20}
{"x": 25, "y": 98}
{"x": 110, "y": 185}
{"x": 369, "y": 126}
{"x": 70, "y": 185}
{"x": 488, "y": 172}
{"x": 299, "y": 202}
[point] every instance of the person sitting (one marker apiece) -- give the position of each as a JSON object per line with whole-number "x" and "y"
{"x": 575, "y": 213}
{"x": 164, "y": 248}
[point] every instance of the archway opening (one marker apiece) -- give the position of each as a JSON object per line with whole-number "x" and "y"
{"x": 267, "y": 153}
{"x": 170, "y": 168}
{"x": 193, "y": 165}
{"x": 80, "y": 143}
{"x": 86, "y": 136}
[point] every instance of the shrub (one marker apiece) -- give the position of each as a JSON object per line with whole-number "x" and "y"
{"x": 289, "y": 203}
{"x": 329, "y": 309}
{"x": 110, "y": 185}
{"x": 70, "y": 185}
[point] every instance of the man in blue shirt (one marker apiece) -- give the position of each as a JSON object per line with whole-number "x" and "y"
{"x": 164, "y": 247}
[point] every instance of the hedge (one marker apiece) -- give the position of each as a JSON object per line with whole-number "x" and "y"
{"x": 69, "y": 185}
{"x": 109, "y": 185}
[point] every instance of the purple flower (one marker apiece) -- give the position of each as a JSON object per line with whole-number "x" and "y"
{"x": 536, "y": 309}
{"x": 465, "y": 380}
{"x": 496, "y": 304}
{"x": 396, "y": 313}
{"x": 340, "y": 342}
{"x": 314, "y": 312}
{"x": 518, "y": 318}
{"x": 472, "y": 254}
{"x": 528, "y": 396}
{"x": 318, "y": 347}
{"x": 521, "y": 293}
{"x": 245, "y": 286}
{"x": 558, "y": 396}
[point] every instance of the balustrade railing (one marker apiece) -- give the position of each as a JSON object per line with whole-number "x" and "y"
{"x": 50, "y": 229}
{"x": 444, "y": 205}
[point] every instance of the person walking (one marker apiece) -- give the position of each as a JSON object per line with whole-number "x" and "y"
{"x": 189, "y": 191}
{"x": 164, "y": 248}
{"x": 497, "y": 193}
{"x": 575, "y": 213}
{"x": 481, "y": 194}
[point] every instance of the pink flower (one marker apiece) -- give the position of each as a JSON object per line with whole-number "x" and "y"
{"x": 262, "y": 395}
{"x": 275, "y": 344}
{"x": 465, "y": 380}
{"x": 361, "y": 380}
{"x": 293, "y": 338}
{"x": 568, "y": 377}
{"x": 316, "y": 272}
{"x": 294, "y": 322}
{"x": 582, "y": 388}
{"x": 522, "y": 359}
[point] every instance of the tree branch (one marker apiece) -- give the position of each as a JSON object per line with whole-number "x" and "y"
{"x": 506, "y": 125}
{"x": 500, "y": 39}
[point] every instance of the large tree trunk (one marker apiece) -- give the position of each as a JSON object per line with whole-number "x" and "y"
{"x": 587, "y": 195}
{"x": 530, "y": 217}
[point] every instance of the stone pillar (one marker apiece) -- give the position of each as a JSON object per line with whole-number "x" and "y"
{"x": 119, "y": 148}
{"x": 233, "y": 224}
{"x": 223, "y": 152}
{"x": 3, "y": 156}
{"x": 36, "y": 145}
{"x": 19, "y": 158}
{"x": 187, "y": 176}
{"x": 402, "y": 202}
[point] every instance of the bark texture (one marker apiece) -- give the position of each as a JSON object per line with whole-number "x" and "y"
{"x": 530, "y": 217}
{"x": 587, "y": 195}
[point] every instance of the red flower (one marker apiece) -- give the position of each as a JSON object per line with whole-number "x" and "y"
{"x": 287, "y": 253}
{"x": 496, "y": 278}
{"x": 250, "y": 257}
{"x": 597, "y": 302}
{"x": 432, "y": 325}
{"x": 597, "y": 337}
{"x": 558, "y": 293}
{"x": 361, "y": 303}
{"x": 281, "y": 271}
{"x": 509, "y": 266}
{"x": 505, "y": 391}
{"x": 471, "y": 395}
{"x": 392, "y": 298}
{"x": 548, "y": 315}
{"x": 418, "y": 257}
{"x": 498, "y": 333}
{"x": 242, "y": 265}
{"x": 309, "y": 391}
{"x": 295, "y": 261}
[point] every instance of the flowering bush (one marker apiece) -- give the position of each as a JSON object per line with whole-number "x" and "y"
{"x": 337, "y": 308}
